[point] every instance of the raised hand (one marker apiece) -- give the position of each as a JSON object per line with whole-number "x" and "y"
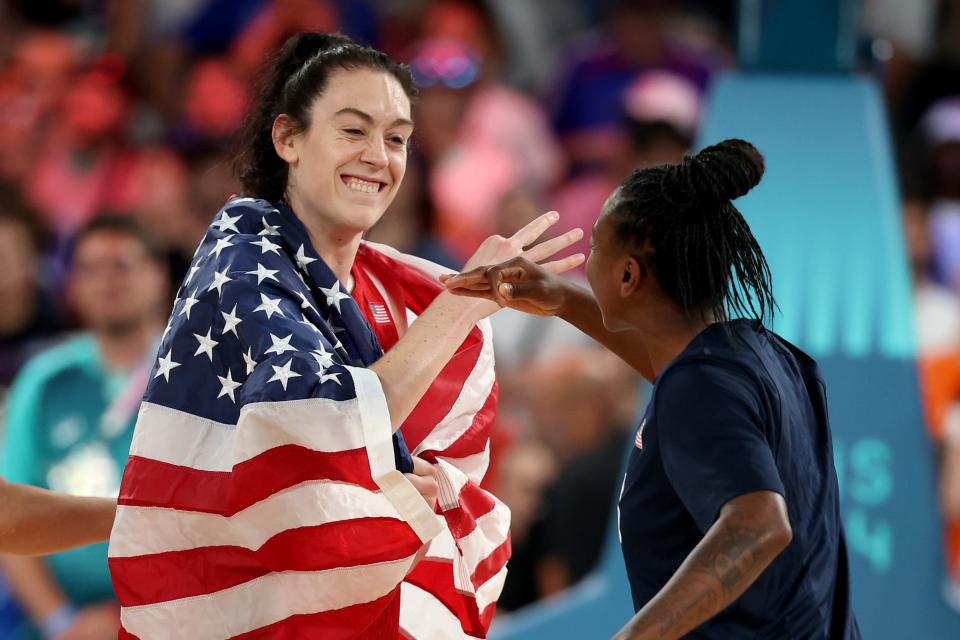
{"x": 519, "y": 284}
{"x": 497, "y": 249}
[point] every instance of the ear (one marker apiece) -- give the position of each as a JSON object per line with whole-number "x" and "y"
{"x": 285, "y": 133}
{"x": 630, "y": 276}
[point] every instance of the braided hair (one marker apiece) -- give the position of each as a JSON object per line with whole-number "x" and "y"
{"x": 680, "y": 223}
{"x": 290, "y": 82}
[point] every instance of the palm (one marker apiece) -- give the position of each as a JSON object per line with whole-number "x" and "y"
{"x": 497, "y": 250}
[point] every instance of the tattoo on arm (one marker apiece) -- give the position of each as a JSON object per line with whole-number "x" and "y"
{"x": 725, "y": 563}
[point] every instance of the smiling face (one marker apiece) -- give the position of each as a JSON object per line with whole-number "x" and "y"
{"x": 347, "y": 165}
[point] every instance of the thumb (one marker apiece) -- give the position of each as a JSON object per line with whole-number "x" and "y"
{"x": 516, "y": 290}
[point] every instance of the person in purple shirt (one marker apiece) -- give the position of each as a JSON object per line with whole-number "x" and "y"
{"x": 729, "y": 511}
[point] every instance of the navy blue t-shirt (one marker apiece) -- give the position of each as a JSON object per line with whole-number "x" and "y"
{"x": 738, "y": 411}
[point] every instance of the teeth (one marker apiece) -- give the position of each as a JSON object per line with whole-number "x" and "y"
{"x": 363, "y": 186}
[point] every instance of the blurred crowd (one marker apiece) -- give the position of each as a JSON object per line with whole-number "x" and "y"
{"x": 116, "y": 125}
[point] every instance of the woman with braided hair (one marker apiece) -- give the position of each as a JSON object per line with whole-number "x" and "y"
{"x": 729, "y": 512}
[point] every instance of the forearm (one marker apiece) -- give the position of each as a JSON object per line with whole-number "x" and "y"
{"x": 32, "y": 520}
{"x": 34, "y": 587}
{"x": 408, "y": 369}
{"x": 582, "y": 312}
{"x": 727, "y": 561}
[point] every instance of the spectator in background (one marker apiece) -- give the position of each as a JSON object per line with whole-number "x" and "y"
{"x": 937, "y": 314}
{"x": 85, "y": 165}
{"x": 29, "y": 319}
{"x": 71, "y": 415}
{"x": 580, "y": 402}
{"x": 941, "y": 129}
{"x": 480, "y": 140}
{"x": 41, "y": 68}
{"x": 661, "y": 112}
{"x": 640, "y": 37}
{"x": 527, "y": 469}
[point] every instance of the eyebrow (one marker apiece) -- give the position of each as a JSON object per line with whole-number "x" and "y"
{"x": 366, "y": 117}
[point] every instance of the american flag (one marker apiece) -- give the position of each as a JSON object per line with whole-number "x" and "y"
{"x": 261, "y": 498}
{"x": 379, "y": 313}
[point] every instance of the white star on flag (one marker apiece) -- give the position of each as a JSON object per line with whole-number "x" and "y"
{"x": 280, "y": 345}
{"x": 326, "y": 377}
{"x": 228, "y": 386}
{"x": 230, "y": 321}
{"x": 188, "y": 303}
{"x": 282, "y": 374}
{"x": 206, "y": 344}
{"x": 249, "y": 361}
{"x": 166, "y": 365}
{"x": 269, "y": 229}
{"x": 226, "y": 222}
{"x": 263, "y": 273}
{"x": 219, "y": 279}
{"x": 302, "y": 259}
{"x": 334, "y": 295}
{"x": 323, "y": 357}
{"x": 269, "y": 306}
{"x": 265, "y": 245}
{"x": 305, "y": 304}
{"x": 193, "y": 272}
{"x": 222, "y": 243}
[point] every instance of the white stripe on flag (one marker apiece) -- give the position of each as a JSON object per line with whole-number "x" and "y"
{"x": 263, "y": 601}
{"x": 424, "y": 617}
{"x": 186, "y": 440}
{"x": 148, "y": 530}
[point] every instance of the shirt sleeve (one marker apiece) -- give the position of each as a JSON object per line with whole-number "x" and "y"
{"x": 710, "y": 423}
{"x": 19, "y": 446}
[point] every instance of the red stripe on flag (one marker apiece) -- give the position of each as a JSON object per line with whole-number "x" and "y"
{"x": 474, "y": 439}
{"x": 442, "y": 394}
{"x": 383, "y": 615}
{"x": 195, "y": 572}
{"x": 436, "y": 578}
{"x": 492, "y": 564}
{"x": 474, "y": 502}
{"x": 151, "y": 483}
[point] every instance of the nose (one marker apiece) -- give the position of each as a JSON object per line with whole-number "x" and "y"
{"x": 374, "y": 153}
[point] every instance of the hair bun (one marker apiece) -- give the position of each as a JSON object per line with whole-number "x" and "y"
{"x": 302, "y": 47}
{"x": 725, "y": 171}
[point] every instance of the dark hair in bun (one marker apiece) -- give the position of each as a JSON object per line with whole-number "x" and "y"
{"x": 290, "y": 81}
{"x": 682, "y": 225}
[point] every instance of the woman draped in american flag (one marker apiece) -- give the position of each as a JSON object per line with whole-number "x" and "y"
{"x": 308, "y": 454}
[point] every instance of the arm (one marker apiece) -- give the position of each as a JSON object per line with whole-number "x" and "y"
{"x": 408, "y": 369}
{"x": 32, "y": 519}
{"x": 526, "y": 286}
{"x": 749, "y": 533}
{"x": 34, "y": 587}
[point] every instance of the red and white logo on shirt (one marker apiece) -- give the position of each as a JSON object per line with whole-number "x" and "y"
{"x": 639, "y": 439}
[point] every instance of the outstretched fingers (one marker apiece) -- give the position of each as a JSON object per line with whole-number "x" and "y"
{"x": 564, "y": 264}
{"x": 528, "y": 234}
{"x": 544, "y": 250}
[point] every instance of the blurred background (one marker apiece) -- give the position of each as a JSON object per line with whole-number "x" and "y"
{"x": 122, "y": 113}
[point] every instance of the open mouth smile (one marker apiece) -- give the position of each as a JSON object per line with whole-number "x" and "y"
{"x": 362, "y": 185}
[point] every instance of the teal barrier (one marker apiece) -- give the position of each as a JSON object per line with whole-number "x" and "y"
{"x": 827, "y": 217}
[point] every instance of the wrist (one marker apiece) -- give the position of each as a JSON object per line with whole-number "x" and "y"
{"x": 58, "y": 622}
{"x": 465, "y": 311}
{"x": 568, "y": 306}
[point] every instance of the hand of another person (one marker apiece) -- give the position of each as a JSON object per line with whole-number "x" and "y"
{"x": 95, "y": 622}
{"x": 424, "y": 478}
{"x": 519, "y": 284}
{"x": 497, "y": 249}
